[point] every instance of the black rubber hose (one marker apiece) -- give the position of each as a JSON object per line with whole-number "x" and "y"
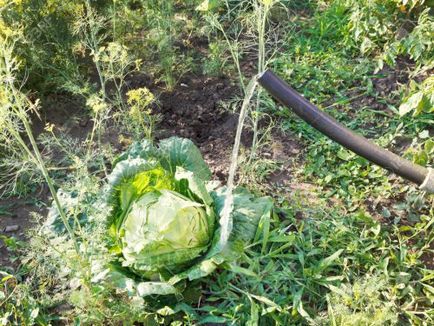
{"x": 321, "y": 121}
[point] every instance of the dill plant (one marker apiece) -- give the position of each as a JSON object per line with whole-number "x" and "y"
{"x": 112, "y": 63}
{"x": 140, "y": 114}
{"x": 166, "y": 23}
{"x": 15, "y": 113}
{"x": 261, "y": 12}
{"x": 45, "y": 41}
{"x": 249, "y": 19}
{"x": 232, "y": 41}
{"x": 90, "y": 27}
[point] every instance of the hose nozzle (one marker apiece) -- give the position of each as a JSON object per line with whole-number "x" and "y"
{"x": 428, "y": 183}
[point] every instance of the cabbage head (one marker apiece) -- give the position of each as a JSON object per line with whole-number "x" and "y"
{"x": 163, "y": 230}
{"x": 164, "y": 224}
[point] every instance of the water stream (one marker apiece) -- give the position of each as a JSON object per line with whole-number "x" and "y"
{"x": 225, "y": 220}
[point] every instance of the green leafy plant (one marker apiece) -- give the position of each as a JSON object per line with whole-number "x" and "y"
{"x": 360, "y": 304}
{"x": 44, "y": 40}
{"x": 384, "y": 29}
{"x": 250, "y": 18}
{"x": 164, "y": 22}
{"x": 165, "y": 222}
{"x": 90, "y": 28}
{"x": 15, "y": 123}
{"x": 141, "y": 120}
{"x": 112, "y": 63}
{"x": 17, "y": 306}
{"x": 17, "y": 172}
{"x": 419, "y": 43}
{"x": 416, "y": 43}
{"x": 214, "y": 63}
{"x": 420, "y": 98}
{"x": 422, "y": 149}
{"x": 372, "y": 23}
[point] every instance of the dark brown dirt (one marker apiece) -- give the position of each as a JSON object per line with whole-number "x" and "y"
{"x": 194, "y": 110}
{"x": 16, "y": 213}
{"x": 283, "y": 149}
{"x": 428, "y": 257}
{"x": 390, "y": 79}
{"x": 67, "y": 113}
{"x": 385, "y": 83}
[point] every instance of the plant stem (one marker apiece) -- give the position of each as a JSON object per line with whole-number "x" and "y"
{"x": 255, "y": 125}
{"x": 262, "y": 14}
{"x": 95, "y": 46}
{"x": 49, "y": 181}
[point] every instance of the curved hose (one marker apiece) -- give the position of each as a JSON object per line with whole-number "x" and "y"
{"x": 344, "y": 136}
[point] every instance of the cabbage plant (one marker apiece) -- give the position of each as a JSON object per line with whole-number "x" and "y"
{"x": 164, "y": 224}
{"x": 162, "y": 216}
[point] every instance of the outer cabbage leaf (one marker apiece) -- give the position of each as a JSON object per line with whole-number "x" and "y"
{"x": 172, "y": 152}
{"x": 182, "y": 152}
{"x": 190, "y": 184}
{"x": 122, "y": 281}
{"x": 143, "y": 149}
{"x": 246, "y": 213}
{"x": 70, "y": 205}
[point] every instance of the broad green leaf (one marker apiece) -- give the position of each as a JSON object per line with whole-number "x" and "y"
{"x": 429, "y": 146}
{"x": 34, "y": 314}
{"x": 208, "y": 5}
{"x": 345, "y": 155}
{"x": 254, "y": 314}
{"x": 151, "y": 288}
{"x": 247, "y": 212}
{"x": 195, "y": 185}
{"x": 240, "y": 270}
{"x": 143, "y": 150}
{"x": 125, "y": 171}
{"x": 166, "y": 311}
{"x": 326, "y": 262}
{"x": 411, "y": 103}
{"x": 182, "y": 152}
{"x": 210, "y": 320}
{"x": 6, "y": 278}
{"x": 337, "y": 290}
{"x": 267, "y": 301}
{"x": 298, "y": 305}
